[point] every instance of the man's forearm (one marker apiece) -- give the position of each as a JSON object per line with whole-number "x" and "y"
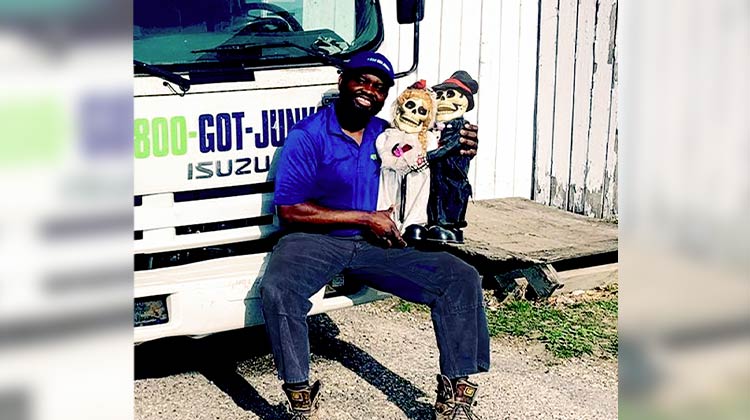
{"x": 379, "y": 223}
{"x": 309, "y": 213}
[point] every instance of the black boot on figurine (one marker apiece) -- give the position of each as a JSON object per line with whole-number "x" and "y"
{"x": 442, "y": 235}
{"x": 459, "y": 235}
{"x": 414, "y": 234}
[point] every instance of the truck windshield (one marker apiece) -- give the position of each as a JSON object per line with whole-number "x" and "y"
{"x": 190, "y": 34}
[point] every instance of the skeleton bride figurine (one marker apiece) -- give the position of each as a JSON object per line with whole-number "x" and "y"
{"x": 404, "y": 172}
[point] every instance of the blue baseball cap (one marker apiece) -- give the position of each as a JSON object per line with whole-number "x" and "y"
{"x": 372, "y": 62}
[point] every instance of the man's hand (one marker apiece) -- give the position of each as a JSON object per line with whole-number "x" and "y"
{"x": 378, "y": 223}
{"x": 385, "y": 230}
{"x": 469, "y": 140}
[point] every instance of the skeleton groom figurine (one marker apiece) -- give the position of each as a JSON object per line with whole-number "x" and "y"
{"x": 449, "y": 184}
{"x": 404, "y": 172}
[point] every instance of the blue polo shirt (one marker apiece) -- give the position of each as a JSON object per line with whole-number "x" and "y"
{"x": 319, "y": 163}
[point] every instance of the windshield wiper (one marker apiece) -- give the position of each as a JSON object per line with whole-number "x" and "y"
{"x": 166, "y": 75}
{"x": 327, "y": 59}
{"x": 238, "y": 48}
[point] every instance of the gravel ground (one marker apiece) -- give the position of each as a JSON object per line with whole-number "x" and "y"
{"x": 374, "y": 363}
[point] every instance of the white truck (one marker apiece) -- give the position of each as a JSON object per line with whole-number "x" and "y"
{"x": 218, "y": 84}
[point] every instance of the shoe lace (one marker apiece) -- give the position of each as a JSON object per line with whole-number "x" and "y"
{"x": 299, "y": 416}
{"x": 463, "y": 411}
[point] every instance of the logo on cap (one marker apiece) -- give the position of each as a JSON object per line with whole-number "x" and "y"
{"x": 379, "y": 61}
{"x": 371, "y": 60}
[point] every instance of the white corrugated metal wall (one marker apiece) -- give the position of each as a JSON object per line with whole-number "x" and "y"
{"x": 572, "y": 162}
{"x": 496, "y": 42}
{"x": 576, "y": 136}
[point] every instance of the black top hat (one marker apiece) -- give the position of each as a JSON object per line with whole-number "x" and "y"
{"x": 462, "y": 81}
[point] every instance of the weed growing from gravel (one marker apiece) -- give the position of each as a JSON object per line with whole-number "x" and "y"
{"x": 403, "y": 306}
{"x": 582, "y": 328}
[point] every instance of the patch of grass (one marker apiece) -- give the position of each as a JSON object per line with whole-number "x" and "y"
{"x": 583, "y": 328}
{"x": 587, "y": 327}
{"x": 403, "y": 306}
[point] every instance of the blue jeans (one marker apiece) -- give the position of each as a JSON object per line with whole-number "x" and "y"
{"x": 302, "y": 263}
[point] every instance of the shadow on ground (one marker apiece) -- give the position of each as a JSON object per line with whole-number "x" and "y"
{"x": 399, "y": 391}
{"x": 217, "y": 357}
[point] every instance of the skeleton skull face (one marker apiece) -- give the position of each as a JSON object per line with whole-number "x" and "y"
{"x": 411, "y": 116}
{"x": 451, "y": 104}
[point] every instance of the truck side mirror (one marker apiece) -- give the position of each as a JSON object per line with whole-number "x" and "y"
{"x": 409, "y": 11}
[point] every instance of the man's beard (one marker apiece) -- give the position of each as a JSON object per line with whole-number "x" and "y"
{"x": 352, "y": 115}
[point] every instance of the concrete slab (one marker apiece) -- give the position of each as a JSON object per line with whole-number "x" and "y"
{"x": 511, "y": 237}
{"x": 517, "y": 230}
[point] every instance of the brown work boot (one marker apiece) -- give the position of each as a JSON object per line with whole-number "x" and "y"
{"x": 455, "y": 402}
{"x": 303, "y": 403}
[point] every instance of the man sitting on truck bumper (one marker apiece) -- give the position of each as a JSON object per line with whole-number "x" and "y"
{"x": 326, "y": 195}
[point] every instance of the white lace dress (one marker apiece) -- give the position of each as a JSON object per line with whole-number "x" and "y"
{"x": 404, "y": 176}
